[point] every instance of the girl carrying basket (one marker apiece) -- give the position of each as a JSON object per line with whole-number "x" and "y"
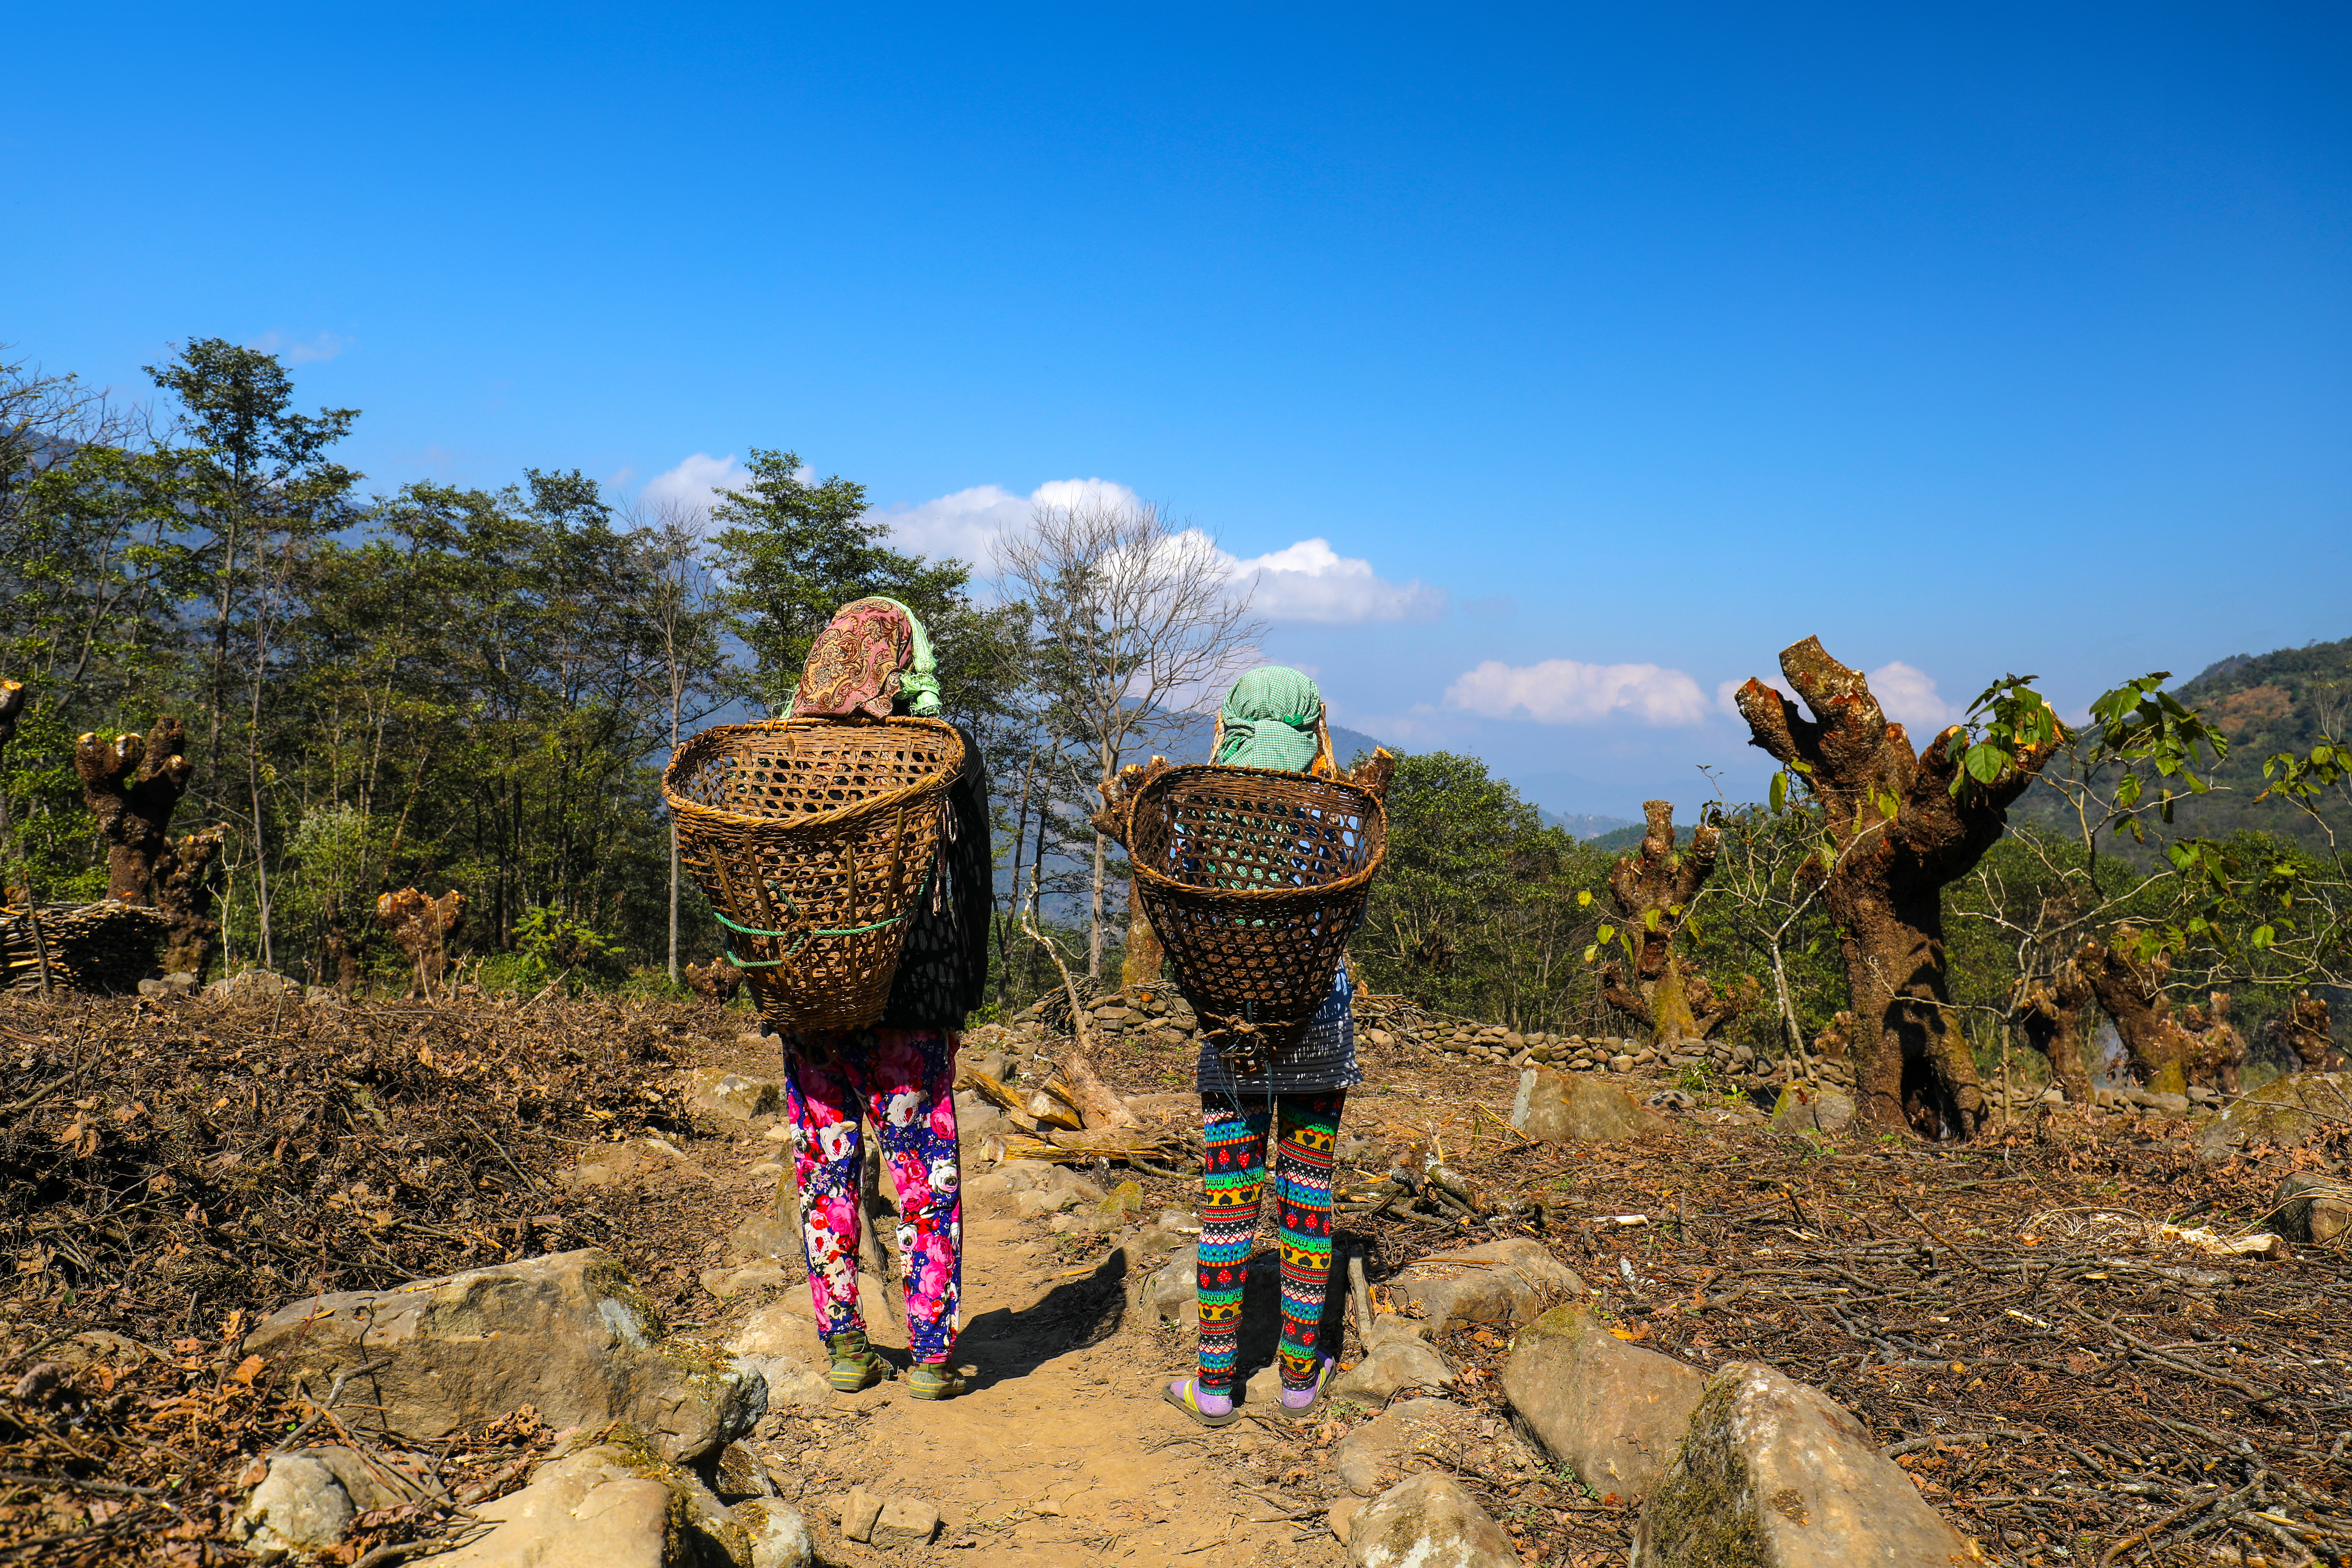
{"x": 872, "y": 661}
{"x": 1271, "y": 718}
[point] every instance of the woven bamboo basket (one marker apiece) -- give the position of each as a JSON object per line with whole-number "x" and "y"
{"x": 814, "y": 839}
{"x": 1254, "y": 880}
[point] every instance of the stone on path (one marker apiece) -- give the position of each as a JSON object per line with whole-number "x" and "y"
{"x": 1419, "y": 1433}
{"x": 731, "y": 1095}
{"x": 780, "y": 1537}
{"x": 1803, "y": 1109}
{"x": 300, "y": 1506}
{"x": 1611, "y": 1412}
{"x": 1172, "y": 1295}
{"x": 310, "y": 1497}
{"x": 906, "y": 1521}
{"x": 1775, "y": 1474}
{"x": 858, "y": 1513}
{"x": 1502, "y": 1282}
{"x": 1429, "y": 1521}
{"x": 568, "y": 1333}
{"x": 1391, "y": 1366}
{"x": 1568, "y": 1108}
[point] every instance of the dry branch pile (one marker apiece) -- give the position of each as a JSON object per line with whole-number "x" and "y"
{"x": 168, "y": 1174}
{"x": 2055, "y": 1373}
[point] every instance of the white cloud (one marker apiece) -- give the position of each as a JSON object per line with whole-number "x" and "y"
{"x": 1909, "y": 697}
{"x": 1310, "y": 580}
{"x": 1563, "y": 691}
{"x": 1725, "y": 694}
{"x": 694, "y": 484}
{"x": 304, "y": 351}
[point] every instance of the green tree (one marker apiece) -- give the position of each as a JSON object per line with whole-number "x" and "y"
{"x": 792, "y": 552}
{"x": 1479, "y": 908}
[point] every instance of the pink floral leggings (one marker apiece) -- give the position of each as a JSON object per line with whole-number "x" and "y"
{"x": 902, "y": 1080}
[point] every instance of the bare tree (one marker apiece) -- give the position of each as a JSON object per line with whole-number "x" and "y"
{"x": 1897, "y": 826}
{"x": 1653, "y": 891}
{"x": 1138, "y": 620}
{"x": 684, "y": 611}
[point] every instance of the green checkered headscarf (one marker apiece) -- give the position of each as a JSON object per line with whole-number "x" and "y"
{"x": 1270, "y": 717}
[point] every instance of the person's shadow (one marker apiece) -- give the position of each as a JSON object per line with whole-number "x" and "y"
{"x": 1074, "y": 1314}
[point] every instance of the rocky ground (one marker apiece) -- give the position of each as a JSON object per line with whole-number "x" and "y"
{"x": 1555, "y": 1347}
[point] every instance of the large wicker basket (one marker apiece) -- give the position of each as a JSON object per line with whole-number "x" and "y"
{"x": 814, "y": 840}
{"x": 1254, "y": 880}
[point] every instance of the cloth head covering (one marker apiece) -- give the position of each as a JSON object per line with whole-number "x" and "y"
{"x": 872, "y": 657}
{"x": 1270, "y": 717}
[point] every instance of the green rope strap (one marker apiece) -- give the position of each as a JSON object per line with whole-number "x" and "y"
{"x": 795, "y": 952}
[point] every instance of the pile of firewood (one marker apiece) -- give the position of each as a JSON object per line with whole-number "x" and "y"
{"x": 103, "y": 947}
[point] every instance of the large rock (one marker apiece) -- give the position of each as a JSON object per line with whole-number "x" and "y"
{"x": 780, "y": 1537}
{"x": 1804, "y": 1108}
{"x": 2316, "y": 1209}
{"x": 779, "y": 1341}
{"x": 1422, "y": 1434}
{"x": 617, "y": 1506}
{"x": 2290, "y": 1108}
{"x": 1429, "y": 1521}
{"x": 1778, "y": 1475}
{"x": 1570, "y": 1108}
{"x": 1504, "y": 1282}
{"x": 568, "y": 1333}
{"x": 1611, "y": 1412}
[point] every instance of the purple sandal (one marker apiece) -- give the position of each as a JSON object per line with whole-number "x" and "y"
{"x": 1185, "y": 1394}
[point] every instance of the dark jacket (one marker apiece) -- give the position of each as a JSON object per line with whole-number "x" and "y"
{"x": 944, "y": 969}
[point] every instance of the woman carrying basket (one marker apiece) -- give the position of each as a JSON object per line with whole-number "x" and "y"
{"x": 872, "y": 661}
{"x": 1271, "y": 718}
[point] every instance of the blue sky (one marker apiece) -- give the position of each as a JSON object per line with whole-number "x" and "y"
{"x": 1604, "y": 354}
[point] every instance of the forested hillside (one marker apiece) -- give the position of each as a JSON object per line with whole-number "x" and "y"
{"x": 475, "y": 688}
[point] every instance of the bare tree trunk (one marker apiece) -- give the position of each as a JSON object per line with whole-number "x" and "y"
{"x": 1653, "y": 892}
{"x": 673, "y": 898}
{"x": 1901, "y": 825}
{"x": 183, "y": 883}
{"x": 2051, "y": 1013}
{"x": 1012, "y": 911}
{"x": 1095, "y": 911}
{"x": 1140, "y": 963}
{"x": 131, "y": 787}
{"x": 2132, "y": 992}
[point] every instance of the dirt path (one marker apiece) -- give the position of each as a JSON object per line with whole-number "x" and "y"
{"x": 1062, "y": 1453}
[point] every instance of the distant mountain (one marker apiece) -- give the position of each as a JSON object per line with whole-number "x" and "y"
{"x": 2284, "y": 701}
{"x": 1585, "y": 824}
{"x": 1628, "y": 839}
{"x": 1188, "y": 741}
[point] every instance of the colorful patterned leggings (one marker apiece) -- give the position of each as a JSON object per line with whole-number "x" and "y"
{"x": 900, "y": 1080}
{"x": 1233, "y": 1176}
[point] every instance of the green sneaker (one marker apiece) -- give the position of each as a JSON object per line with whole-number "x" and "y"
{"x": 856, "y": 1363}
{"x": 934, "y": 1380}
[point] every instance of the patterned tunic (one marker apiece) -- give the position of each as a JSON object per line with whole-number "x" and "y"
{"x": 1324, "y": 1057}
